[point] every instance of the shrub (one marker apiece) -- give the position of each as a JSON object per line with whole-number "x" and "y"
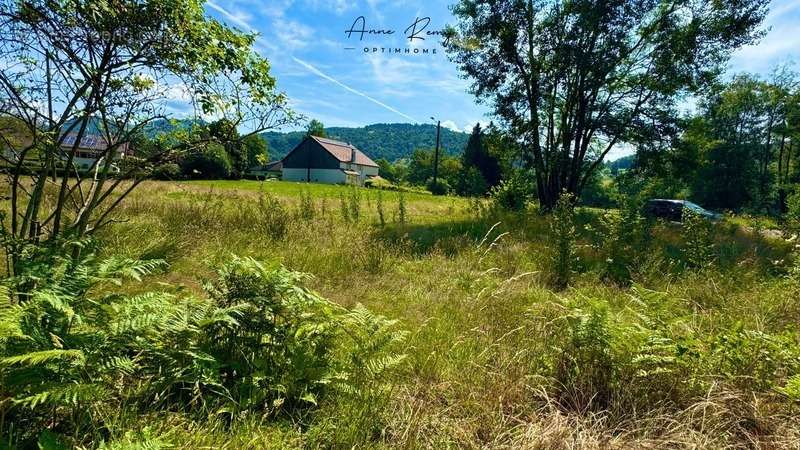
{"x": 401, "y": 208}
{"x": 511, "y": 194}
{"x": 441, "y": 187}
{"x": 354, "y": 204}
{"x": 584, "y": 365}
{"x": 381, "y": 212}
{"x": 276, "y": 354}
{"x": 698, "y": 244}
{"x": 168, "y": 171}
{"x": 792, "y": 388}
{"x": 306, "y": 209}
{"x": 61, "y": 351}
{"x": 624, "y": 241}
{"x": 562, "y": 246}
{"x": 471, "y": 183}
{"x": 379, "y": 183}
{"x": 211, "y": 162}
{"x": 754, "y": 359}
{"x": 365, "y": 381}
{"x": 793, "y": 213}
{"x": 259, "y": 342}
{"x": 344, "y": 208}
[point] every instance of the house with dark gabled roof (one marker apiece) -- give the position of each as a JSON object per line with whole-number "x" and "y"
{"x": 323, "y": 160}
{"x": 92, "y": 146}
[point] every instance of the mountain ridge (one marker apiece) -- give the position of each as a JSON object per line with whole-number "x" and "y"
{"x": 390, "y": 141}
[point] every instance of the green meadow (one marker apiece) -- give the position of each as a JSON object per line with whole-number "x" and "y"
{"x": 686, "y": 354}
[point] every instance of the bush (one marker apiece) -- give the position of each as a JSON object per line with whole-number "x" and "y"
{"x": 275, "y": 355}
{"x": 698, "y": 247}
{"x": 259, "y": 342}
{"x": 168, "y": 171}
{"x": 402, "y": 213}
{"x": 624, "y": 241}
{"x": 272, "y": 217}
{"x": 584, "y": 366}
{"x": 793, "y": 212}
{"x": 634, "y": 360}
{"x": 379, "y": 183}
{"x": 306, "y": 209}
{"x": 439, "y": 188}
{"x": 511, "y": 194}
{"x": 562, "y": 230}
{"x": 354, "y": 204}
{"x": 380, "y": 210}
{"x": 212, "y": 162}
{"x": 471, "y": 183}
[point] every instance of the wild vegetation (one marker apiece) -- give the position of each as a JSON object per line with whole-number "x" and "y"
{"x": 501, "y": 329}
{"x": 222, "y": 313}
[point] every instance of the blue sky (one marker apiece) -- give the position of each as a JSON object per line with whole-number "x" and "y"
{"x": 330, "y": 77}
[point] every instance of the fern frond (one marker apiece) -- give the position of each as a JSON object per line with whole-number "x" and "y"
{"x": 144, "y": 440}
{"x": 116, "y": 269}
{"x": 10, "y": 316}
{"x": 64, "y": 394}
{"x": 44, "y": 357}
{"x": 117, "y": 364}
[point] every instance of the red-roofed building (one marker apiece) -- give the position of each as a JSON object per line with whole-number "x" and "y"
{"x": 323, "y": 160}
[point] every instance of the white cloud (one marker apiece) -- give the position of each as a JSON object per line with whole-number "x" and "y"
{"x": 781, "y": 43}
{"x": 178, "y": 92}
{"x": 294, "y": 34}
{"x": 337, "y": 6}
{"x": 470, "y": 125}
{"x": 451, "y": 125}
{"x": 394, "y": 70}
{"x": 237, "y": 18}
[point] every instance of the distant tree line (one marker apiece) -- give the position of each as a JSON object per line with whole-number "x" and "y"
{"x": 390, "y": 141}
{"x": 485, "y": 159}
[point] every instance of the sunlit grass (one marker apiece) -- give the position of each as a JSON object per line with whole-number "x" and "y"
{"x": 487, "y": 331}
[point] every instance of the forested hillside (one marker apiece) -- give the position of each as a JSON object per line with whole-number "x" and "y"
{"x": 390, "y": 141}
{"x": 624, "y": 163}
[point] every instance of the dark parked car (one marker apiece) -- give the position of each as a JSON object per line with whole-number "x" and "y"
{"x": 672, "y": 210}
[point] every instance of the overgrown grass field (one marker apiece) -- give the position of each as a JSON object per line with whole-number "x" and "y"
{"x": 606, "y": 332}
{"x": 682, "y": 356}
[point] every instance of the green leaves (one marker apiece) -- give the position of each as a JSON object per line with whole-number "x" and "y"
{"x": 260, "y": 342}
{"x": 572, "y": 79}
{"x": 43, "y": 357}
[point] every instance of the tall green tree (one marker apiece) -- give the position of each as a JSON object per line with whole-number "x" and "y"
{"x": 315, "y": 128}
{"x": 575, "y": 78}
{"x": 480, "y": 170}
{"x": 736, "y": 150}
{"x": 420, "y": 168}
{"x": 387, "y": 170}
{"x": 242, "y": 151}
{"x": 224, "y": 132}
{"x": 256, "y": 149}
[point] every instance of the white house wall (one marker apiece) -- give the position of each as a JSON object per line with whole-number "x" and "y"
{"x": 363, "y": 171}
{"x": 329, "y": 176}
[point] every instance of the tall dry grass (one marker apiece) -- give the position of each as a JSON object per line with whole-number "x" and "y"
{"x": 680, "y": 357}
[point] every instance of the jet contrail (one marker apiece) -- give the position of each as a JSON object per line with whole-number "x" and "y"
{"x": 230, "y": 16}
{"x": 242, "y": 23}
{"x": 348, "y": 88}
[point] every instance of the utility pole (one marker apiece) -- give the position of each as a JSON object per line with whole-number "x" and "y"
{"x": 436, "y": 153}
